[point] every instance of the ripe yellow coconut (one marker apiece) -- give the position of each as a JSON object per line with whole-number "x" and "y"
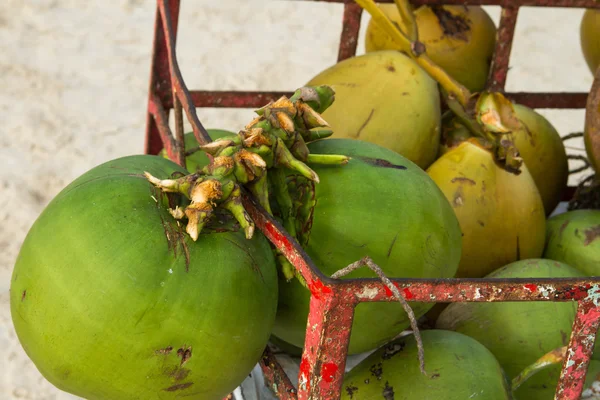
{"x": 459, "y": 39}
{"x": 501, "y": 214}
{"x": 589, "y": 36}
{"x": 387, "y": 99}
{"x": 539, "y": 144}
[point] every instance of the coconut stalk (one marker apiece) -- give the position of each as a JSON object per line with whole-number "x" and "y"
{"x": 489, "y": 116}
{"x": 275, "y": 139}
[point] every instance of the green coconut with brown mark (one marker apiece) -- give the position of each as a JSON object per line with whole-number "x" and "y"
{"x": 519, "y": 333}
{"x": 573, "y": 237}
{"x": 111, "y": 299}
{"x": 379, "y": 205}
{"x": 457, "y": 366}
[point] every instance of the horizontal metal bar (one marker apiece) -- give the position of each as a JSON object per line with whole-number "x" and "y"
{"x": 502, "y": 3}
{"x": 256, "y": 99}
{"x": 474, "y": 290}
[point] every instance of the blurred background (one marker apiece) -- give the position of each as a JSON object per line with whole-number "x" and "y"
{"x": 74, "y": 80}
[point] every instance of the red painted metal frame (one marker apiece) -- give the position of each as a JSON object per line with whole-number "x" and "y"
{"x": 332, "y": 301}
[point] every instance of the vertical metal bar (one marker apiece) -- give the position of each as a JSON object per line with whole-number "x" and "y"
{"x": 179, "y": 139}
{"x": 581, "y": 346}
{"x": 326, "y": 345}
{"x": 160, "y": 77}
{"x": 504, "y": 39}
{"x": 350, "y": 30}
{"x": 276, "y": 378}
{"x": 177, "y": 83}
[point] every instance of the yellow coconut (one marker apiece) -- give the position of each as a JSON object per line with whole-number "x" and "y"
{"x": 501, "y": 214}
{"x": 544, "y": 154}
{"x": 540, "y": 146}
{"x": 387, "y": 99}
{"x": 589, "y": 36}
{"x": 459, "y": 39}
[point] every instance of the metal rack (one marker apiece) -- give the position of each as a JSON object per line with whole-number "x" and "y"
{"x": 333, "y": 301}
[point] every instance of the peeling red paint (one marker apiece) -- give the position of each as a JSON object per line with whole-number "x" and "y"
{"x": 318, "y": 289}
{"x": 577, "y": 292}
{"x": 304, "y": 375}
{"x": 328, "y": 371}
{"x": 531, "y": 287}
{"x": 388, "y": 292}
{"x": 279, "y": 237}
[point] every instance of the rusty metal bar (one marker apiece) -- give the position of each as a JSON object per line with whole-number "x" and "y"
{"x": 504, "y": 39}
{"x": 178, "y": 85}
{"x": 255, "y": 99}
{"x": 502, "y": 3}
{"x": 276, "y": 378}
{"x": 350, "y": 31}
{"x": 326, "y": 345}
{"x": 581, "y": 346}
{"x": 160, "y": 77}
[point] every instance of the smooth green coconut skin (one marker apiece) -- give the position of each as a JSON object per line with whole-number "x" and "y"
{"x": 573, "y": 237}
{"x": 106, "y": 306}
{"x": 458, "y": 368}
{"x": 198, "y": 159}
{"x": 519, "y": 333}
{"x": 396, "y": 216}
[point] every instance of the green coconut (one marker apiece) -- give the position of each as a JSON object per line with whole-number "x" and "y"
{"x": 458, "y": 368}
{"x": 379, "y": 205}
{"x": 387, "y": 99}
{"x": 519, "y": 333}
{"x": 573, "y": 237}
{"x": 111, "y": 299}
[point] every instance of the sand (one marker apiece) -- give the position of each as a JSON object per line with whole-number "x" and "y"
{"x": 73, "y": 79}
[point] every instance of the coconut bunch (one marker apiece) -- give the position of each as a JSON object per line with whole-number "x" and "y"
{"x": 275, "y": 139}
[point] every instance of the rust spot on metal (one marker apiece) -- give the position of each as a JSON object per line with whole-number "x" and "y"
{"x": 591, "y": 234}
{"x": 180, "y": 386}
